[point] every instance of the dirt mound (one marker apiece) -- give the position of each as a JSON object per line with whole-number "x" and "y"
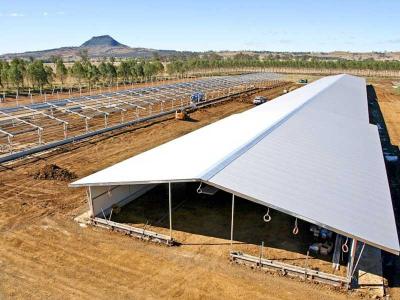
{"x": 54, "y": 172}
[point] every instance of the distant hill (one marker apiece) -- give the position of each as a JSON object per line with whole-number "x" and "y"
{"x": 102, "y": 41}
{"x": 105, "y": 46}
{"x": 97, "y": 47}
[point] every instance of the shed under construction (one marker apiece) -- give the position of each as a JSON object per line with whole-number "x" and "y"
{"x": 28, "y": 129}
{"x": 310, "y": 154}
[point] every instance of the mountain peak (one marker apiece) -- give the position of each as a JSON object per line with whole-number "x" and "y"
{"x": 102, "y": 41}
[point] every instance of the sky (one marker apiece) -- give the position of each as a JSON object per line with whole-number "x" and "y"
{"x": 274, "y": 25}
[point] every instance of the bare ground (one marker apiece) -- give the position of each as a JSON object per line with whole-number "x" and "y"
{"x": 389, "y": 103}
{"x": 45, "y": 254}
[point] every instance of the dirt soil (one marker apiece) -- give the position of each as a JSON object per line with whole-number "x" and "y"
{"x": 54, "y": 172}
{"x": 203, "y": 221}
{"x": 389, "y": 103}
{"x": 45, "y": 254}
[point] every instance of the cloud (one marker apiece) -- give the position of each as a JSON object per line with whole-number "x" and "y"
{"x": 45, "y": 13}
{"x": 285, "y": 41}
{"x": 60, "y": 13}
{"x": 16, "y": 14}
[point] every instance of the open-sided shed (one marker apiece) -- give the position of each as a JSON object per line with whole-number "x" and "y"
{"x": 311, "y": 154}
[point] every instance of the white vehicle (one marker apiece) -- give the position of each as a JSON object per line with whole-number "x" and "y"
{"x": 259, "y": 100}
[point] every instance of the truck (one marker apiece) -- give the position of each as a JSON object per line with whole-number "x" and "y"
{"x": 303, "y": 81}
{"x": 197, "y": 97}
{"x": 259, "y": 100}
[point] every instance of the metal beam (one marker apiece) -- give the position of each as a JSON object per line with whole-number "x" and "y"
{"x": 88, "y": 107}
{"x": 6, "y": 133}
{"x": 110, "y": 98}
{"x": 350, "y": 264}
{"x": 170, "y": 209}
{"x": 68, "y": 110}
{"x": 44, "y": 114}
{"x": 21, "y": 120}
{"x": 232, "y": 217}
{"x": 131, "y": 104}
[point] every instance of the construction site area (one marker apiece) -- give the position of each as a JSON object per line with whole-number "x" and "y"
{"x": 26, "y": 129}
{"x": 200, "y": 236}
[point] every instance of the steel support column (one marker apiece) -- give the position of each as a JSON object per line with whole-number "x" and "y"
{"x": 232, "y": 217}
{"x": 170, "y": 209}
{"x": 350, "y": 264}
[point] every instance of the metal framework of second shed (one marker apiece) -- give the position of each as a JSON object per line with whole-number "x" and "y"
{"x": 31, "y": 126}
{"x": 311, "y": 154}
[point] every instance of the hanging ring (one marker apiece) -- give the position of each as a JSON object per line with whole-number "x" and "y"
{"x": 295, "y": 229}
{"x": 109, "y": 193}
{"x": 267, "y": 217}
{"x": 199, "y": 191}
{"x": 345, "y": 248}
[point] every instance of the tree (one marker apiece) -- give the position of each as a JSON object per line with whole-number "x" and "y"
{"x": 139, "y": 69}
{"x": 103, "y": 70}
{"x": 16, "y": 72}
{"x": 177, "y": 66}
{"x": 159, "y": 67}
{"x": 84, "y": 54}
{"x": 149, "y": 69}
{"x": 132, "y": 68}
{"x": 3, "y": 72}
{"x": 61, "y": 71}
{"x": 111, "y": 72}
{"x": 78, "y": 72}
{"x": 92, "y": 73}
{"x": 38, "y": 74}
{"x": 49, "y": 74}
{"x": 124, "y": 70}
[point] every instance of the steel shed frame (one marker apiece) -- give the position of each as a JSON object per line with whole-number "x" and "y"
{"x": 352, "y": 191}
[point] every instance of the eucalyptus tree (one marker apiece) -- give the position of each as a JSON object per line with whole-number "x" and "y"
{"x": 107, "y": 71}
{"x": 132, "y": 68}
{"x": 78, "y": 72}
{"x": 61, "y": 71}
{"x": 38, "y": 74}
{"x": 111, "y": 72}
{"x": 139, "y": 69}
{"x": 92, "y": 73}
{"x": 124, "y": 71}
{"x": 16, "y": 73}
{"x": 4, "y": 66}
{"x": 49, "y": 73}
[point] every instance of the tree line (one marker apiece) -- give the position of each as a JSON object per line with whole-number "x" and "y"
{"x": 36, "y": 74}
{"x": 242, "y": 60}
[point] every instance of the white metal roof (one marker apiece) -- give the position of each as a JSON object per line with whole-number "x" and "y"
{"x": 310, "y": 153}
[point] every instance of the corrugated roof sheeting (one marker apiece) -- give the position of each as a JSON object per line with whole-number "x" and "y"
{"x": 311, "y": 153}
{"x": 210, "y": 146}
{"x": 321, "y": 173}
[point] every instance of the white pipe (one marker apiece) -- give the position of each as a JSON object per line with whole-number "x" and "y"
{"x": 170, "y": 209}
{"x": 233, "y": 208}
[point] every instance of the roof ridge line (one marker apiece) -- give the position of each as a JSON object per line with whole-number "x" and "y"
{"x": 235, "y": 154}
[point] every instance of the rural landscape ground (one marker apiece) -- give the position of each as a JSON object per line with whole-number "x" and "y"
{"x": 45, "y": 254}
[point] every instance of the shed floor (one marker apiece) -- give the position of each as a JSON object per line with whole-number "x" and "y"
{"x": 202, "y": 222}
